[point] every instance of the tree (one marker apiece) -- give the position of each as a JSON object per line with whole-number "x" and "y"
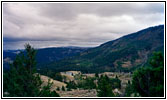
{"x": 71, "y": 85}
{"x": 129, "y": 90}
{"x": 87, "y": 83}
{"x": 116, "y": 82}
{"x": 63, "y": 88}
{"x": 104, "y": 88}
{"x": 58, "y": 77}
{"x": 148, "y": 81}
{"x": 96, "y": 75}
{"x": 58, "y": 89}
{"x": 53, "y": 74}
{"x": 45, "y": 92}
{"x": 22, "y": 80}
{"x": 157, "y": 60}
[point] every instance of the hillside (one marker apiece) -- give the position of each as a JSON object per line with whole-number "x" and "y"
{"x": 48, "y": 55}
{"x": 45, "y": 55}
{"x": 55, "y": 85}
{"x": 123, "y": 54}
{"x": 79, "y": 78}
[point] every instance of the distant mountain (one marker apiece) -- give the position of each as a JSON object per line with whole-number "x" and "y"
{"x": 8, "y": 57}
{"x": 123, "y": 54}
{"x": 45, "y": 55}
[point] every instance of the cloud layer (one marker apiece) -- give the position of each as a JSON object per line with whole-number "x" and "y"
{"x": 79, "y": 24}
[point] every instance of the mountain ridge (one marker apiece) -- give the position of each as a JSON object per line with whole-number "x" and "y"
{"x": 123, "y": 54}
{"x": 43, "y": 55}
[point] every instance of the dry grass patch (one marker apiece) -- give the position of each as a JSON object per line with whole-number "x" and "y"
{"x": 55, "y": 82}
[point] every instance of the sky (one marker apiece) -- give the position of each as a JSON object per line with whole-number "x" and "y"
{"x": 75, "y": 24}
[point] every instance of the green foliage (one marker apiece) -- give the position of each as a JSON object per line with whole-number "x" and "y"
{"x": 45, "y": 92}
{"x": 22, "y": 80}
{"x": 96, "y": 75}
{"x": 58, "y": 89}
{"x": 68, "y": 89}
{"x": 104, "y": 57}
{"x": 71, "y": 85}
{"x": 116, "y": 82}
{"x": 157, "y": 60}
{"x": 52, "y": 74}
{"x": 58, "y": 77}
{"x": 87, "y": 83}
{"x": 63, "y": 88}
{"x": 148, "y": 81}
{"x": 104, "y": 88}
{"x": 55, "y": 75}
{"x": 129, "y": 90}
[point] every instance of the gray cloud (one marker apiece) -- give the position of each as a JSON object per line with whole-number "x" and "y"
{"x": 81, "y": 24}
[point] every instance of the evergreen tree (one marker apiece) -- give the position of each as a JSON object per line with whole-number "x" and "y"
{"x": 96, "y": 75}
{"x": 58, "y": 77}
{"x": 148, "y": 81}
{"x": 116, "y": 82}
{"x": 104, "y": 88}
{"x": 71, "y": 85}
{"x": 58, "y": 89}
{"x": 87, "y": 83}
{"x": 53, "y": 74}
{"x": 129, "y": 90}
{"x": 45, "y": 92}
{"x": 22, "y": 80}
{"x": 63, "y": 88}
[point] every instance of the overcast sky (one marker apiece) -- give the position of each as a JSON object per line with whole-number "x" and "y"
{"x": 75, "y": 24}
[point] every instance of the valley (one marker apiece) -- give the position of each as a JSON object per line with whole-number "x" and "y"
{"x": 124, "y": 54}
{"x": 83, "y": 49}
{"x": 77, "y": 76}
{"x": 118, "y": 68}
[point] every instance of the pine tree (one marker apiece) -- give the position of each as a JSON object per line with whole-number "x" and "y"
{"x": 58, "y": 89}
{"x": 96, "y": 75}
{"x": 22, "y": 80}
{"x": 104, "y": 88}
{"x": 148, "y": 81}
{"x": 45, "y": 92}
{"x": 63, "y": 88}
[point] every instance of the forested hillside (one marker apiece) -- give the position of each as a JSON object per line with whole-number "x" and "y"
{"x": 45, "y": 55}
{"x": 123, "y": 54}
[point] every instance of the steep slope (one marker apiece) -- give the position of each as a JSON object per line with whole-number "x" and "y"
{"x": 123, "y": 54}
